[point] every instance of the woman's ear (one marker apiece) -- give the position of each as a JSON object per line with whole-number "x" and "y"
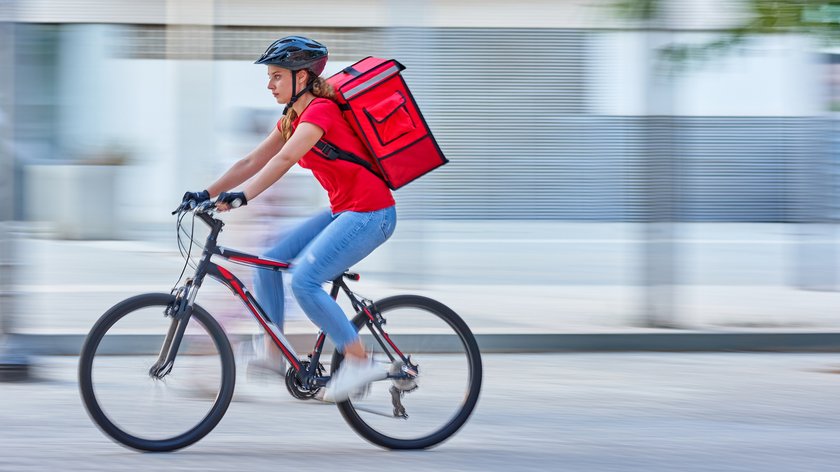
{"x": 300, "y": 78}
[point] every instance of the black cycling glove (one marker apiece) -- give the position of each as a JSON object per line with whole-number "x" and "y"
{"x": 234, "y": 199}
{"x": 197, "y": 197}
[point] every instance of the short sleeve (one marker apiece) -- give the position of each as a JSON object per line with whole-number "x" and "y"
{"x": 321, "y": 113}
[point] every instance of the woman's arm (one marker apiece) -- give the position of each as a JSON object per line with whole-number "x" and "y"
{"x": 303, "y": 139}
{"x": 249, "y": 165}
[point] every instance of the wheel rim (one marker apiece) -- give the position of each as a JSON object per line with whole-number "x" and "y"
{"x": 135, "y": 408}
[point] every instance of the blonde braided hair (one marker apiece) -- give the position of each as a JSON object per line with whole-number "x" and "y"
{"x": 319, "y": 88}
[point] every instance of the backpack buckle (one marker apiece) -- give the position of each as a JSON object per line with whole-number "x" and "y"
{"x": 330, "y": 152}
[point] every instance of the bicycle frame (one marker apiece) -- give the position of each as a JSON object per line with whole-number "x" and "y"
{"x": 182, "y": 308}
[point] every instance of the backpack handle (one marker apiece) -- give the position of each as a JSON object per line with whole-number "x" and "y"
{"x": 352, "y": 71}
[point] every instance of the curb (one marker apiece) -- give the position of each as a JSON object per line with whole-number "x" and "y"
{"x": 70, "y": 344}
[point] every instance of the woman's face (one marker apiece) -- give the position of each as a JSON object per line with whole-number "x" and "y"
{"x": 280, "y": 83}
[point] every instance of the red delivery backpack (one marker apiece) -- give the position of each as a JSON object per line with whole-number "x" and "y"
{"x": 376, "y": 101}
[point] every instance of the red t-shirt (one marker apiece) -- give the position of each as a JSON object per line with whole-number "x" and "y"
{"x": 350, "y": 186}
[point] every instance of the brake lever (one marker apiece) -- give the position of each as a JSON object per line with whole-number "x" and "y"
{"x": 192, "y": 205}
{"x": 181, "y": 207}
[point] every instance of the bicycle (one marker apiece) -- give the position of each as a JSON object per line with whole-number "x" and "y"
{"x": 429, "y": 349}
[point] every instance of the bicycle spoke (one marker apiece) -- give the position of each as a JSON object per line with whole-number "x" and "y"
{"x": 433, "y": 394}
{"x": 140, "y": 409}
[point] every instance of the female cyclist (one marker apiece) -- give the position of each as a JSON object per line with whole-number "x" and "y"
{"x": 361, "y": 216}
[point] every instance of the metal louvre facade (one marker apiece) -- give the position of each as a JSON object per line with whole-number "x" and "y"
{"x": 509, "y": 109}
{"x": 599, "y": 168}
{"x": 179, "y": 42}
{"x": 497, "y": 101}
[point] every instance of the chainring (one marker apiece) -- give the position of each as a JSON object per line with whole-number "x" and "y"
{"x": 294, "y": 385}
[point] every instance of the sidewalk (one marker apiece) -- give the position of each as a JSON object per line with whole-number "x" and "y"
{"x": 64, "y": 286}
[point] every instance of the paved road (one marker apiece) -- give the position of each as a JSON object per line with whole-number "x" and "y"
{"x": 569, "y": 412}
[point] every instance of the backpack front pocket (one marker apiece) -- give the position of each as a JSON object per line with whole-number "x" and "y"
{"x": 390, "y": 118}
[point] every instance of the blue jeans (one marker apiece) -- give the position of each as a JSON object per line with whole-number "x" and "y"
{"x": 323, "y": 247}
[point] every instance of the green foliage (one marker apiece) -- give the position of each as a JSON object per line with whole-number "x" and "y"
{"x": 818, "y": 18}
{"x": 637, "y": 9}
{"x": 821, "y": 17}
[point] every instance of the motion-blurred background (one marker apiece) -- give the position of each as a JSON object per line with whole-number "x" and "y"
{"x": 615, "y": 164}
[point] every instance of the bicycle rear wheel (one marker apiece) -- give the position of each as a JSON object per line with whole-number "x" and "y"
{"x": 423, "y": 411}
{"x": 133, "y": 407}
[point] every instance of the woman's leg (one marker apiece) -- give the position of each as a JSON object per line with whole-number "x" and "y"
{"x": 268, "y": 284}
{"x": 345, "y": 242}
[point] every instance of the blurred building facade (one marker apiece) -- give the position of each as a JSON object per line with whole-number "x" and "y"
{"x": 554, "y": 114}
{"x": 544, "y": 108}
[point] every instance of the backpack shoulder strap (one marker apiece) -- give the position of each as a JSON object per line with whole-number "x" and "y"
{"x": 331, "y": 152}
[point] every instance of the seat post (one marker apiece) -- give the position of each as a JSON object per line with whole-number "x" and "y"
{"x": 336, "y": 286}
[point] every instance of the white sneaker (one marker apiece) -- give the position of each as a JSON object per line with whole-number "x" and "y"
{"x": 352, "y": 375}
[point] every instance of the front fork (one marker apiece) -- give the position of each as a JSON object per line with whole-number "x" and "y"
{"x": 180, "y": 310}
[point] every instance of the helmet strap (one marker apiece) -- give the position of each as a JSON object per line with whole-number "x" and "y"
{"x": 296, "y": 96}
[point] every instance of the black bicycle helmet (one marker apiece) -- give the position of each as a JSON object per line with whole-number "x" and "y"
{"x": 296, "y": 53}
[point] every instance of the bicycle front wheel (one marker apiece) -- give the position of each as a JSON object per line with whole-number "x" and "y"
{"x": 434, "y": 402}
{"x": 138, "y": 409}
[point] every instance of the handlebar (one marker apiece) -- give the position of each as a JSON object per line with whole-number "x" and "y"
{"x": 207, "y": 207}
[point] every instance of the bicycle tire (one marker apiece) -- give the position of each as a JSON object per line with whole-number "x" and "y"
{"x": 470, "y": 398}
{"x": 100, "y": 418}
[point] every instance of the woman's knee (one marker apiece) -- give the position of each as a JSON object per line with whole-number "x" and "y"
{"x": 303, "y": 283}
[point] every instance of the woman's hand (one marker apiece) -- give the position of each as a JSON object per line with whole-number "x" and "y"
{"x": 230, "y": 200}
{"x": 196, "y": 197}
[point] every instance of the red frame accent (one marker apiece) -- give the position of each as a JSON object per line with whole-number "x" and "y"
{"x": 387, "y": 338}
{"x": 258, "y": 261}
{"x": 236, "y": 286}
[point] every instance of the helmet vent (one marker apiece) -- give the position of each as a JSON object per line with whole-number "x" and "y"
{"x": 296, "y": 53}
